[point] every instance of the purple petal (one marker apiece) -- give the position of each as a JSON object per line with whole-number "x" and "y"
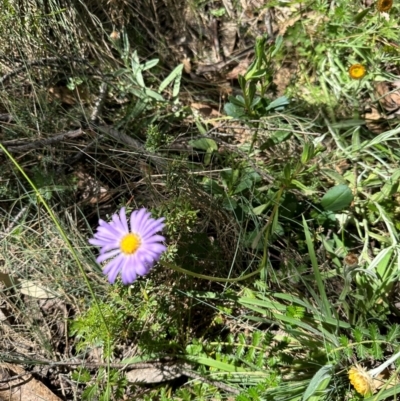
{"x": 137, "y": 221}
{"x": 142, "y": 268}
{"x": 149, "y": 257}
{"x": 104, "y": 256}
{"x": 152, "y": 228}
{"x": 113, "y": 268}
{"x": 128, "y": 274}
{"x": 118, "y": 225}
{"x": 98, "y": 242}
{"x": 108, "y": 231}
{"x": 153, "y": 239}
{"x": 155, "y": 248}
{"x": 109, "y": 247}
{"x": 124, "y": 222}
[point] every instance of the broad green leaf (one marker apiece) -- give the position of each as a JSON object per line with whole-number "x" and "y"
{"x": 154, "y": 95}
{"x": 234, "y": 111}
{"x": 278, "y": 103}
{"x": 334, "y": 175}
{"x": 390, "y": 187}
{"x": 205, "y": 144}
{"x": 229, "y": 203}
{"x": 381, "y": 262}
{"x": 359, "y": 17}
{"x": 318, "y": 383}
{"x": 237, "y": 101}
{"x": 308, "y": 152}
{"x": 139, "y": 78}
{"x": 177, "y": 83}
{"x": 260, "y": 209}
{"x": 244, "y": 183}
{"x": 276, "y": 138}
{"x": 213, "y": 187}
{"x": 150, "y": 64}
{"x": 337, "y": 198}
{"x": 176, "y": 73}
{"x": 306, "y": 190}
{"x": 200, "y": 127}
{"x": 208, "y": 157}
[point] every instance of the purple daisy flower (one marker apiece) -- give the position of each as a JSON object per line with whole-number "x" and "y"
{"x": 134, "y": 251}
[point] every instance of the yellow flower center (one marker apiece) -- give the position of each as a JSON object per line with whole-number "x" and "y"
{"x": 130, "y": 243}
{"x": 361, "y": 381}
{"x": 357, "y": 71}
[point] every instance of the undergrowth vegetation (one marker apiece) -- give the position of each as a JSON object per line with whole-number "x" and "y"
{"x": 279, "y": 188}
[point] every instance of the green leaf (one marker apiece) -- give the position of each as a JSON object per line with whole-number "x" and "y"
{"x": 381, "y": 261}
{"x": 260, "y": 209}
{"x": 337, "y": 198}
{"x": 237, "y": 101}
{"x": 212, "y": 363}
{"x": 150, "y": 64}
{"x": 154, "y": 95}
{"x": 212, "y": 187}
{"x": 390, "y": 187}
{"x": 324, "y": 301}
{"x": 276, "y": 138}
{"x": 308, "y": 152}
{"x": 334, "y": 175}
{"x": 278, "y": 103}
{"x": 176, "y": 73}
{"x": 318, "y": 384}
{"x": 306, "y": 190}
{"x": 234, "y": 111}
{"x": 385, "y": 394}
{"x": 229, "y": 203}
{"x": 200, "y": 127}
{"x": 208, "y": 157}
{"x": 205, "y": 144}
{"x": 244, "y": 183}
{"x": 359, "y": 17}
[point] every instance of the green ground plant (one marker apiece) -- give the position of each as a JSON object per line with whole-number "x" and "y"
{"x": 282, "y": 268}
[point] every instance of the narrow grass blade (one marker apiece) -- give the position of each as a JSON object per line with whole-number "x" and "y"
{"x": 320, "y": 284}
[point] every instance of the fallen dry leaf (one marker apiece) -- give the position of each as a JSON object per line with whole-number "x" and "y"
{"x": 25, "y": 388}
{"x": 205, "y": 110}
{"x": 228, "y": 31}
{"x": 374, "y": 120}
{"x": 240, "y": 69}
{"x": 388, "y": 96}
{"x": 79, "y": 95}
{"x": 93, "y": 191}
{"x": 154, "y": 374}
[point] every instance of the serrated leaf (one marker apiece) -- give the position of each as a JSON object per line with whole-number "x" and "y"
{"x": 337, "y": 198}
